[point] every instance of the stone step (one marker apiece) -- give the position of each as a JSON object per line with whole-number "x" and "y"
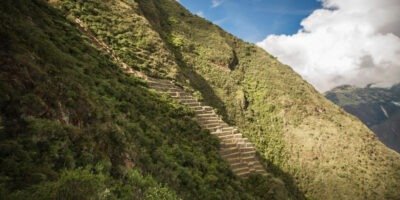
{"x": 247, "y": 144}
{"x": 202, "y": 111}
{"x": 172, "y": 94}
{"x": 228, "y": 145}
{"x": 236, "y": 140}
{"x": 198, "y": 108}
{"x": 258, "y": 165}
{"x": 182, "y": 98}
{"x": 206, "y": 126}
{"x": 223, "y": 134}
{"x": 238, "y": 165}
{"x": 208, "y": 108}
{"x": 202, "y": 119}
{"x": 166, "y": 90}
{"x": 238, "y": 144}
{"x": 210, "y": 120}
{"x": 190, "y": 104}
{"x": 175, "y": 93}
{"x": 258, "y": 170}
{"x": 228, "y": 150}
{"x": 215, "y": 128}
{"x": 248, "y": 159}
{"x": 223, "y": 129}
{"x": 160, "y": 84}
{"x": 207, "y": 114}
{"x": 212, "y": 129}
{"x": 156, "y": 80}
{"x": 233, "y": 159}
{"x": 188, "y": 101}
{"x": 248, "y": 153}
{"x": 240, "y": 170}
{"x": 247, "y": 149}
{"x": 238, "y": 135}
{"x": 261, "y": 171}
{"x": 161, "y": 88}
{"x": 232, "y": 155}
{"x": 243, "y": 174}
{"x": 229, "y": 128}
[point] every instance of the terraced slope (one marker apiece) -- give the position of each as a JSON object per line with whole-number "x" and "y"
{"x": 235, "y": 148}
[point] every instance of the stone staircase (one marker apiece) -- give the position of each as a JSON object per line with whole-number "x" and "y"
{"x": 236, "y": 149}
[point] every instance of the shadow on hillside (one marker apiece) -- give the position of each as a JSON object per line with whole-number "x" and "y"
{"x": 290, "y": 182}
{"x": 199, "y": 83}
{"x": 185, "y": 72}
{"x": 211, "y": 99}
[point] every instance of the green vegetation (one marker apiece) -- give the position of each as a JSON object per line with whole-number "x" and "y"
{"x": 300, "y": 134}
{"x": 84, "y": 184}
{"x": 119, "y": 24}
{"x": 69, "y": 116}
{"x": 75, "y": 126}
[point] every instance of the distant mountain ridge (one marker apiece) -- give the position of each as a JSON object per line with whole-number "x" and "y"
{"x": 378, "y": 108}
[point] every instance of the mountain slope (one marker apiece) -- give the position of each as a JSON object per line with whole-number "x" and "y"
{"x": 294, "y": 128}
{"x": 74, "y": 125}
{"x": 299, "y": 134}
{"x": 378, "y": 108}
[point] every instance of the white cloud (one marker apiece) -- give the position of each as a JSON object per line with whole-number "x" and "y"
{"x": 200, "y": 14}
{"x": 216, "y": 3}
{"x": 346, "y": 42}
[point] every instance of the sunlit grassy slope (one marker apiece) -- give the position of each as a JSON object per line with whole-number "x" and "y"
{"x": 73, "y": 125}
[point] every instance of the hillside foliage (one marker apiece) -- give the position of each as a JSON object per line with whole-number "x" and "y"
{"x": 71, "y": 117}
{"x": 75, "y": 126}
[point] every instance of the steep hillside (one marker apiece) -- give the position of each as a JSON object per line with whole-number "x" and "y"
{"x": 68, "y": 112}
{"x": 73, "y": 125}
{"x": 378, "y": 108}
{"x": 330, "y": 154}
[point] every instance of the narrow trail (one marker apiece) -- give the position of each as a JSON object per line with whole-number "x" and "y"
{"x": 235, "y": 148}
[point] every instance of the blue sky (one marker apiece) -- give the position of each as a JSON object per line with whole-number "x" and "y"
{"x": 254, "y": 20}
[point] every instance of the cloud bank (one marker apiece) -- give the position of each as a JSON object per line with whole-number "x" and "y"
{"x": 216, "y": 3}
{"x": 345, "y": 42}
